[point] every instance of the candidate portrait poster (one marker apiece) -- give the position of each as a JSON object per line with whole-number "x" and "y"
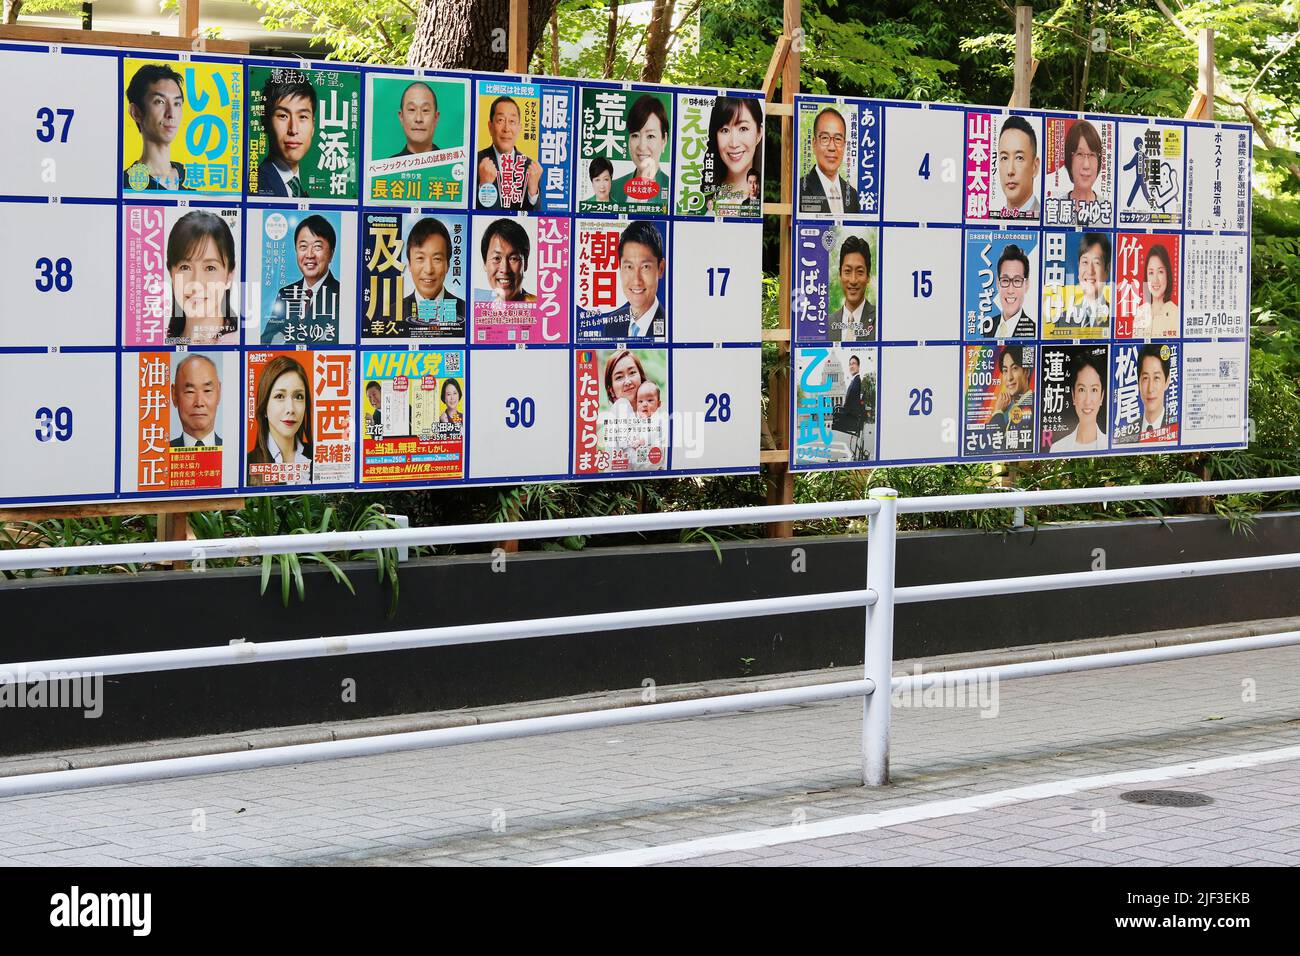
{"x": 836, "y": 294}
{"x": 719, "y": 155}
{"x": 417, "y": 142}
{"x": 180, "y": 421}
{"x": 522, "y": 159}
{"x": 998, "y": 387}
{"x": 413, "y": 408}
{"x": 1073, "y": 399}
{"x": 298, "y": 418}
{"x": 414, "y": 279}
{"x": 839, "y": 158}
{"x": 519, "y": 274}
{"x": 1148, "y": 285}
{"x": 304, "y": 133}
{"x": 625, "y": 160}
{"x": 1077, "y": 294}
{"x": 620, "y": 280}
{"x": 620, "y": 411}
{"x": 835, "y": 404}
{"x": 1003, "y": 166}
{"x": 1150, "y": 161}
{"x": 300, "y": 277}
{"x": 1078, "y": 172}
{"x": 1001, "y": 284}
{"x": 1145, "y": 388}
{"x": 182, "y": 128}
{"x": 180, "y": 275}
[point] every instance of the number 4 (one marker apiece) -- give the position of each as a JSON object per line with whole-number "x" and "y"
{"x": 924, "y": 171}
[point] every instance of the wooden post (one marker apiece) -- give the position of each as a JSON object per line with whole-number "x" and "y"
{"x": 188, "y": 12}
{"x": 780, "y": 489}
{"x": 1024, "y": 55}
{"x": 517, "y": 50}
{"x": 1205, "y": 74}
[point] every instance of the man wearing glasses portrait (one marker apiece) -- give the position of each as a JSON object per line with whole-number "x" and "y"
{"x": 823, "y": 189}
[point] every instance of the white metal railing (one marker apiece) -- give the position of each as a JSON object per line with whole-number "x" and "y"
{"x": 878, "y": 600}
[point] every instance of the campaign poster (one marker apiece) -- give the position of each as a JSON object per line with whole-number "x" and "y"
{"x": 719, "y": 155}
{"x": 1150, "y": 161}
{"x": 522, "y": 144}
{"x": 1214, "y": 393}
{"x": 1003, "y": 167}
{"x": 1001, "y": 287}
{"x": 620, "y": 411}
{"x": 620, "y": 279}
{"x": 827, "y": 143}
{"x": 417, "y": 147}
{"x": 520, "y": 279}
{"x": 413, "y": 406}
{"x": 182, "y": 128}
{"x": 298, "y": 418}
{"x": 414, "y": 282}
{"x": 1077, "y": 295}
{"x": 1072, "y": 403}
{"x": 1218, "y": 178}
{"x": 625, "y": 158}
{"x": 835, "y": 404}
{"x": 1217, "y": 283}
{"x": 304, "y": 134}
{"x": 300, "y": 278}
{"x": 180, "y": 420}
{"x": 1148, "y": 286}
{"x": 998, "y": 388}
{"x": 180, "y": 276}
{"x": 1078, "y": 172}
{"x": 1145, "y": 385}
{"x": 836, "y": 289}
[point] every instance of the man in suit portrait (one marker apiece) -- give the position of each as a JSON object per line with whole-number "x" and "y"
{"x": 505, "y": 248}
{"x": 852, "y": 414}
{"x": 1013, "y": 322}
{"x": 196, "y": 393}
{"x": 823, "y": 189}
{"x": 641, "y": 266}
{"x": 314, "y": 299}
{"x": 418, "y": 114}
{"x": 289, "y": 119}
{"x": 1018, "y": 165}
{"x": 507, "y": 179}
{"x": 855, "y": 320}
{"x": 431, "y": 305}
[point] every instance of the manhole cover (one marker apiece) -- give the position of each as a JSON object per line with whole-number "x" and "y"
{"x": 1167, "y": 798}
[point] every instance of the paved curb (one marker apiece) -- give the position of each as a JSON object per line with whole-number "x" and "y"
{"x": 370, "y": 727}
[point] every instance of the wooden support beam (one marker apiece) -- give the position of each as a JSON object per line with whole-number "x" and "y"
{"x": 774, "y": 456}
{"x": 779, "y": 109}
{"x": 778, "y": 209}
{"x": 1205, "y": 73}
{"x": 188, "y": 18}
{"x": 775, "y": 66}
{"x": 517, "y": 49}
{"x": 143, "y": 41}
{"x": 121, "y": 508}
{"x": 1025, "y": 64}
{"x": 776, "y": 335}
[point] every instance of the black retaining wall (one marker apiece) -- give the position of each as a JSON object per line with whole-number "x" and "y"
{"x": 111, "y": 614}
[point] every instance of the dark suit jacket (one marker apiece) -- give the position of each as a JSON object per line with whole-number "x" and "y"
{"x": 410, "y": 313}
{"x": 153, "y": 183}
{"x": 812, "y": 198}
{"x": 851, "y": 415}
{"x": 1026, "y": 327}
{"x": 269, "y": 182}
{"x": 835, "y": 325}
{"x": 490, "y": 153}
{"x": 275, "y": 324}
{"x": 180, "y": 442}
{"x": 406, "y": 151}
{"x": 619, "y": 324}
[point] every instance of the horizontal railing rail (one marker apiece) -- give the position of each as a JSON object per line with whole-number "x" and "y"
{"x": 878, "y": 599}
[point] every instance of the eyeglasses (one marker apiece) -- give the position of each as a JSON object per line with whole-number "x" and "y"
{"x": 1082, "y": 155}
{"x": 826, "y": 139}
{"x": 1007, "y": 282}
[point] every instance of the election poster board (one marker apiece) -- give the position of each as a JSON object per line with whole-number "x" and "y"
{"x": 287, "y": 276}
{"x": 1018, "y": 284}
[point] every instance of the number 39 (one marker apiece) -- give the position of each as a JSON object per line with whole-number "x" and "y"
{"x": 54, "y": 426}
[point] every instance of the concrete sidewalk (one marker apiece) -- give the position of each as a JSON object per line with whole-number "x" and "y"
{"x": 592, "y": 793}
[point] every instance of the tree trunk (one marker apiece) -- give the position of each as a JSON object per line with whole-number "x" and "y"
{"x": 611, "y": 39}
{"x": 472, "y": 34}
{"x": 11, "y": 10}
{"x": 656, "y": 41}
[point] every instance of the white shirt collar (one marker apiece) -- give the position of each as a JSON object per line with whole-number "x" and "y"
{"x": 640, "y": 324}
{"x": 1152, "y": 426}
{"x": 1008, "y": 324}
{"x": 191, "y": 440}
{"x": 831, "y": 189}
{"x": 285, "y": 174}
{"x": 278, "y": 456}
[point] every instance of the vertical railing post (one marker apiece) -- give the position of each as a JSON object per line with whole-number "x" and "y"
{"x": 879, "y": 652}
